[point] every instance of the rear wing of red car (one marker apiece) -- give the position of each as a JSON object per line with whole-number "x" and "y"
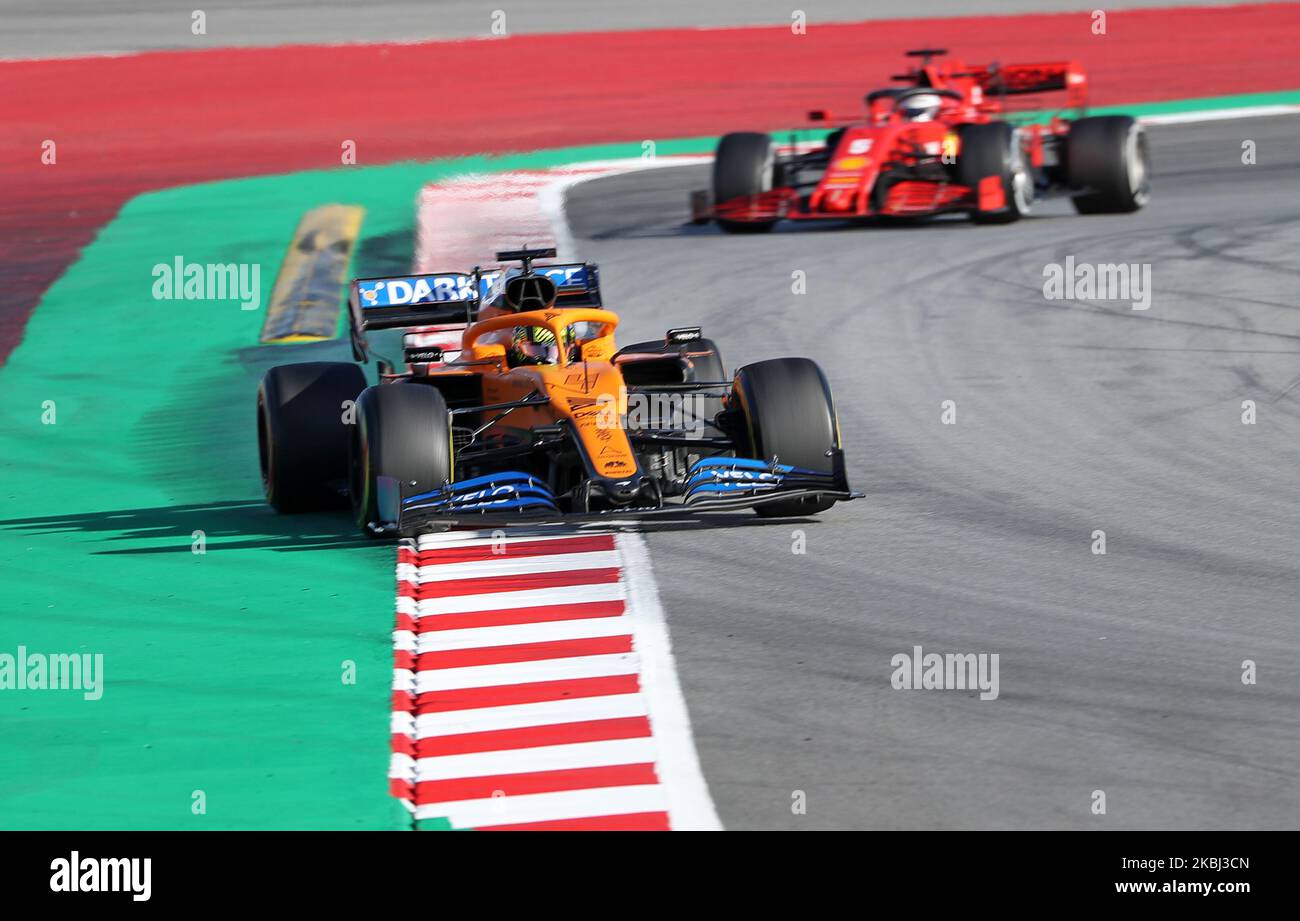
{"x": 1026, "y": 79}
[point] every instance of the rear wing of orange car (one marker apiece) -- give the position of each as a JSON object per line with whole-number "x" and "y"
{"x": 402, "y": 301}
{"x": 414, "y": 300}
{"x": 410, "y": 300}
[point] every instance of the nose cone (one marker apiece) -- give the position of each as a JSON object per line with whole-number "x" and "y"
{"x": 624, "y": 490}
{"x": 636, "y": 489}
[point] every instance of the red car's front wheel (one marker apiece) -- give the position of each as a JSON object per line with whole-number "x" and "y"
{"x": 743, "y": 166}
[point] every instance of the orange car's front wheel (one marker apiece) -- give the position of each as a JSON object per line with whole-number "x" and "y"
{"x": 402, "y": 431}
{"x": 788, "y": 414}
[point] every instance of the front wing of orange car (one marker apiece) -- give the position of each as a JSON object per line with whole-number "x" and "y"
{"x": 715, "y": 484}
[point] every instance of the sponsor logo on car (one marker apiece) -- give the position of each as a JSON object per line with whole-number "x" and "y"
{"x": 564, "y": 276}
{"x": 454, "y": 287}
{"x": 419, "y": 289}
{"x": 747, "y": 476}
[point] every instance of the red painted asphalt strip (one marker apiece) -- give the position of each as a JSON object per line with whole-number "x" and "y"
{"x": 497, "y": 740}
{"x": 512, "y": 616}
{"x": 637, "y": 821}
{"x": 479, "y": 552}
{"x": 124, "y": 125}
{"x": 525, "y": 652}
{"x": 494, "y": 584}
{"x": 532, "y": 693}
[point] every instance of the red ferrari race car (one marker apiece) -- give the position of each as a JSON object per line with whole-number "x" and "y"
{"x": 952, "y": 138}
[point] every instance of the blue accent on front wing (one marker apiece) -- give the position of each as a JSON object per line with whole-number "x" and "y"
{"x": 503, "y": 504}
{"x": 729, "y": 488}
{"x": 739, "y": 476}
{"x": 709, "y": 479}
{"x": 747, "y": 463}
{"x": 499, "y": 492}
{"x": 506, "y": 478}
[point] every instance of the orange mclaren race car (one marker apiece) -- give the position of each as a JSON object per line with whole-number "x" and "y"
{"x": 948, "y": 139}
{"x": 526, "y": 409}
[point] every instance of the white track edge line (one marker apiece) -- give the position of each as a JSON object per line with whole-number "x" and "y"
{"x": 1216, "y": 115}
{"x": 529, "y": 715}
{"x": 557, "y": 806}
{"x": 564, "y": 757}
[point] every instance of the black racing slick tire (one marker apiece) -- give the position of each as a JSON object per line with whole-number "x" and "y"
{"x": 744, "y": 164}
{"x": 993, "y": 149}
{"x": 403, "y": 431}
{"x": 303, "y": 433}
{"x": 787, "y": 413}
{"x": 1107, "y": 155}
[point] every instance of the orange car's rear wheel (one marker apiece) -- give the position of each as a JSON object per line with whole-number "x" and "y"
{"x": 302, "y": 436}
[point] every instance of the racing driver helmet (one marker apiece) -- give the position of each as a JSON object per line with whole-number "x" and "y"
{"x": 920, "y": 107}
{"x": 534, "y": 345}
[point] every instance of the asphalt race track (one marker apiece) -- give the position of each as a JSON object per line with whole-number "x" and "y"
{"x": 1120, "y": 672}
